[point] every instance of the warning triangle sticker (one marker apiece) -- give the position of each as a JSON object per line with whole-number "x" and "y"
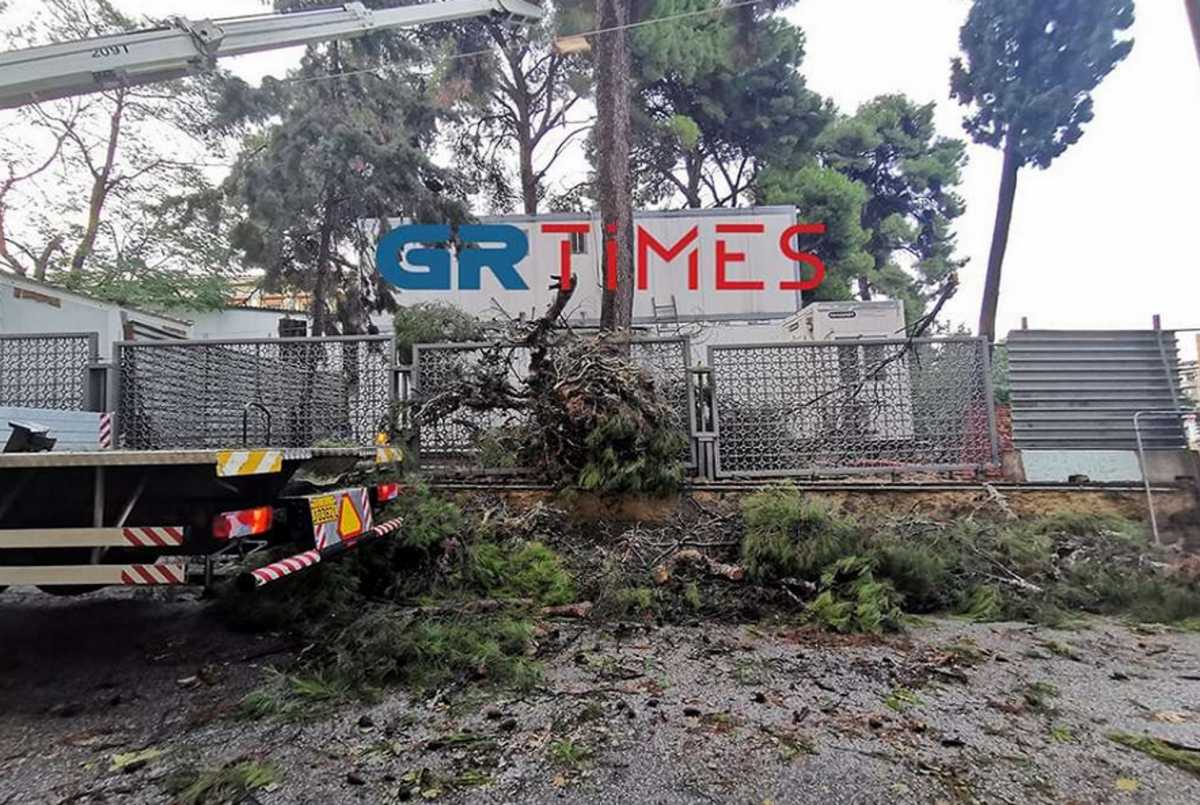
{"x": 349, "y": 522}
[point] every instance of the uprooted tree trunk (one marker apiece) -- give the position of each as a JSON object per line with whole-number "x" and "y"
{"x": 589, "y": 415}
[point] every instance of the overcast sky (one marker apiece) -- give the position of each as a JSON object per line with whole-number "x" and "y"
{"x": 1103, "y": 239}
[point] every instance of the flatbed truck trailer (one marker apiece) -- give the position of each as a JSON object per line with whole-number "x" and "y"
{"x": 74, "y": 520}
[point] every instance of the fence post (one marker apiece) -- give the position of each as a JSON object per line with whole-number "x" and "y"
{"x": 990, "y": 399}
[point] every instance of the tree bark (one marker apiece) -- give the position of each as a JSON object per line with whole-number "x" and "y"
{"x": 100, "y": 187}
{"x": 320, "y": 309}
{"x": 864, "y": 289}
{"x": 1004, "y": 212}
{"x": 612, "y": 168}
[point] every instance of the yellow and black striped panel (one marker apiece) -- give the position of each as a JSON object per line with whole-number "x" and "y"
{"x": 231, "y": 463}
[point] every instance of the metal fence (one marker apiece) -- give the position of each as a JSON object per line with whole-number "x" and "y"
{"x": 894, "y": 405}
{"x": 276, "y": 392}
{"x": 46, "y": 371}
{"x": 437, "y": 368}
{"x": 1080, "y": 389}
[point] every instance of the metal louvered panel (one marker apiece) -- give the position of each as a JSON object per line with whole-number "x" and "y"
{"x": 1079, "y": 389}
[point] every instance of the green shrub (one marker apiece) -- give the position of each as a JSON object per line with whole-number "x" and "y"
{"x": 790, "y": 536}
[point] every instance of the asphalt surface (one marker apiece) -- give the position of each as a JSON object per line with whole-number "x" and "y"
{"x": 948, "y": 712}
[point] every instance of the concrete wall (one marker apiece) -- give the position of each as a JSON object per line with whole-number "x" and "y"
{"x": 28, "y": 306}
{"x": 1107, "y": 466}
{"x": 239, "y": 323}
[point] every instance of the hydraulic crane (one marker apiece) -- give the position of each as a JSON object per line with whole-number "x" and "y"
{"x": 182, "y": 46}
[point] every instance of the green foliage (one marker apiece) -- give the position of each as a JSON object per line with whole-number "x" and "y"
{"x": 983, "y": 603}
{"x": 1029, "y": 67}
{"x": 295, "y": 697}
{"x": 520, "y": 570}
{"x": 499, "y": 448}
{"x": 108, "y": 195}
{"x": 718, "y": 97}
{"x": 829, "y": 197}
{"x": 1041, "y": 569}
{"x": 901, "y": 699}
{"x": 1181, "y": 757}
{"x": 917, "y": 571}
{"x": 432, "y": 323}
{"x": 624, "y": 455}
{"x": 890, "y": 147}
{"x": 320, "y": 157}
{"x": 1001, "y": 386}
{"x": 428, "y": 519}
{"x": 636, "y": 600}
{"x": 383, "y": 646}
{"x": 234, "y": 782}
{"x": 788, "y": 535}
{"x": 853, "y": 600}
{"x": 298, "y": 602}
{"x": 568, "y": 754}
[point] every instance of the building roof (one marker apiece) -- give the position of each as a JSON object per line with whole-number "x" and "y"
{"x": 6, "y": 276}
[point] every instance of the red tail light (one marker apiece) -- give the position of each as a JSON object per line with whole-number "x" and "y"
{"x": 386, "y": 492}
{"x": 244, "y": 523}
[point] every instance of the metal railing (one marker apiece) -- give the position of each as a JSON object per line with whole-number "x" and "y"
{"x": 853, "y": 407}
{"x": 277, "y": 392}
{"x": 47, "y": 370}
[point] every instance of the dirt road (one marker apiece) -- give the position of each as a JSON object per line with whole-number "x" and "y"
{"x": 119, "y": 696}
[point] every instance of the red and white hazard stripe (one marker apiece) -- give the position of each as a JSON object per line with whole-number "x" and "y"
{"x": 154, "y": 536}
{"x": 387, "y": 527}
{"x": 104, "y": 437}
{"x": 153, "y": 574}
{"x": 285, "y": 567}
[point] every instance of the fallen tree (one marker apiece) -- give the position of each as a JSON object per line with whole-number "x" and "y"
{"x": 585, "y": 413}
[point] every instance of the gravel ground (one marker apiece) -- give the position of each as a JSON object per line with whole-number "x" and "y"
{"x": 949, "y": 712}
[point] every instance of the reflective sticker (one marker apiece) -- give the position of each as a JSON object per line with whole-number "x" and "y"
{"x": 232, "y": 463}
{"x": 349, "y": 523}
{"x": 324, "y": 509}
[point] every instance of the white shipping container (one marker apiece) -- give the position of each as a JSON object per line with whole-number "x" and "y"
{"x": 668, "y": 284}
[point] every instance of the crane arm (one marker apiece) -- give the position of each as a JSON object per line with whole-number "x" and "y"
{"x": 181, "y": 46}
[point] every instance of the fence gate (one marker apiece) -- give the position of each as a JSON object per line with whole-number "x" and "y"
{"x": 862, "y": 407}
{"x": 270, "y": 392}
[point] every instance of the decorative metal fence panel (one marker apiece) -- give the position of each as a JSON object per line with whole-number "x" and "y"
{"x": 842, "y": 407}
{"x": 278, "y": 392}
{"x": 437, "y": 368}
{"x": 46, "y": 371}
{"x": 1080, "y": 389}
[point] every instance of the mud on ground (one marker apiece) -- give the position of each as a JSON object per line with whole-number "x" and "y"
{"x": 949, "y": 711}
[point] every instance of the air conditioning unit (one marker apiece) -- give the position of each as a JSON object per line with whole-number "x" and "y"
{"x": 841, "y": 321}
{"x": 862, "y": 390}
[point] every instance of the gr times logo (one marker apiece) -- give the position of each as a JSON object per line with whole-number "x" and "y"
{"x": 415, "y": 257}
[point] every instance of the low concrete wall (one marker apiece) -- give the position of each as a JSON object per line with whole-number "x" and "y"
{"x": 1175, "y": 507}
{"x": 1102, "y": 466}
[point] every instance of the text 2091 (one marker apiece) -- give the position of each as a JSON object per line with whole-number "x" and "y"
{"x": 110, "y": 50}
